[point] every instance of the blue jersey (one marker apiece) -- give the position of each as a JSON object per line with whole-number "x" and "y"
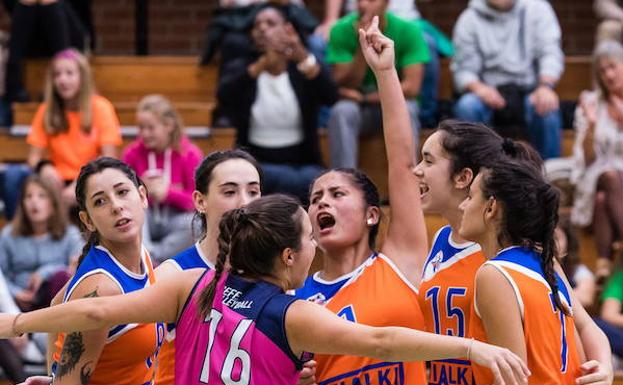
{"x": 100, "y": 261}
{"x": 190, "y": 258}
{"x": 246, "y": 317}
{"x": 320, "y": 291}
{"x": 131, "y": 349}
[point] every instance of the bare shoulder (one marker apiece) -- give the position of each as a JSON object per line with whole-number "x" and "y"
{"x": 96, "y": 285}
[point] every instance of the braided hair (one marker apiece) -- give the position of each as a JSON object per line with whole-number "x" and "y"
{"x": 251, "y": 238}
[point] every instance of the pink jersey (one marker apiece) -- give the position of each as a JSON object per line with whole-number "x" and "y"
{"x": 242, "y": 341}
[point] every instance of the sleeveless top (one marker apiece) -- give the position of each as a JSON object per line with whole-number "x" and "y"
{"x": 242, "y": 340}
{"x": 445, "y": 295}
{"x": 190, "y": 258}
{"x": 376, "y": 295}
{"x": 548, "y": 332}
{"x": 131, "y": 350}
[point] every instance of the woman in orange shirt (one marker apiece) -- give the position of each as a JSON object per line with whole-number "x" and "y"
{"x": 73, "y": 124}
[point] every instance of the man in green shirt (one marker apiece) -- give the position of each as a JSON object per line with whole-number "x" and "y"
{"x": 358, "y": 110}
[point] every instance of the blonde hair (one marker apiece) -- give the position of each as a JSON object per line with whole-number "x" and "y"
{"x": 164, "y": 111}
{"x": 607, "y": 49}
{"x": 55, "y": 119}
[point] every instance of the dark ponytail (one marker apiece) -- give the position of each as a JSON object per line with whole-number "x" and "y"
{"x": 251, "y": 238}
{"x": 530, "y": 207}
{"x": 227, "y": 227}
{"x": 475, "y": 146}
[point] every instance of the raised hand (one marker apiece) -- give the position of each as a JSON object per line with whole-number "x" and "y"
{"x": 378, "y": 50}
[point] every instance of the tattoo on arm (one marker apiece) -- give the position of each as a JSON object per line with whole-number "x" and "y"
{"x": 85, "y": 373}
{"x": 92, "y": 294}
{"x": 73, "y": 347}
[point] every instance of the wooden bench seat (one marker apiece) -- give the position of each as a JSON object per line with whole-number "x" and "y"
{"x": 192, "y": 113}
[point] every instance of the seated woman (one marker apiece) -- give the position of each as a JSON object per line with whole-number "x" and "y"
{"x": 37, "y": 247}
{"x": 277, "y": 97}
{"x": 73, "y": 125}
{"x": 598, "y": 154}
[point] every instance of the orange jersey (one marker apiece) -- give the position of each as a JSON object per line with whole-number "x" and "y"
{"x": 128, "y": 358}
{"x": 549, "y": 334}
{"x": 445, "y": 297}
{"x": 377, "y": 295}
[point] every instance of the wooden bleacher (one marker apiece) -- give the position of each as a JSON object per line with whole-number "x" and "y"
{"x": 125, "y": 79}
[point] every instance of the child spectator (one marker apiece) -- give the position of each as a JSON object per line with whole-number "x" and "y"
{"x": 74, "y": 125}
{"x": 37, "y": 247}
{"x": 507, "y": 62}
{"x": 165, "y": 160}
{"x": 277, "y": 98}
{"x": 598, "y": 154}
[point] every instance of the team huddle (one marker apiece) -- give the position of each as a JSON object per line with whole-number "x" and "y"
{"x": 487, "y": 303}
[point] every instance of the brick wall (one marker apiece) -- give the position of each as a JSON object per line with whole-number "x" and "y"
{"x": 178, "y": 26}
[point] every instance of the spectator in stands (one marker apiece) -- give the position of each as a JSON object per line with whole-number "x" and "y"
{"x": 10, "y": 361}
{"x": 359, "y": 111}
{"x": 5, "y": 105}
{"x": 278, "y": 95}
{"x": 73, "y": 125}
{"x": 41, "y": 28}
{"x": 611, "y": 321}
{"x": 165, "y": 160}
{"x": 37, "y": 247}
{"x": 232, "y": 22}
{"x": 582, "y": 280}
{"x": 598, "y": 154}
{"x": 507, "y": 62}
{"x": 438, "y": 45}
{"x": 610, "y": 12}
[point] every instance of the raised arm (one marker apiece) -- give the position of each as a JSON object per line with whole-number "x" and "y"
{"x": 313, "y": 328}
{"x": 406, "y": 242}
{"x": 160, "y": 302}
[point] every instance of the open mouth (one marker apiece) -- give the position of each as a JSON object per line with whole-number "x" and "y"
{"x": 325, "y": 221}
{"x": 122, "y": 222}
{"x": 423, "y": 188}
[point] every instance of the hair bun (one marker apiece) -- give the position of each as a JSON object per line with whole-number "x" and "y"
{"x": 509, "y": 147}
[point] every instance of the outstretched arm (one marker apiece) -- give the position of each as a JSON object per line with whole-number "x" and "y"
{"x": 160, "y": 302}
{"x": 312, "y": 328}
{"x": 406, "y": 243}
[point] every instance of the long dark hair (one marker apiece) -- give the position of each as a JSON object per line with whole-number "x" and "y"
{"x": 370, "y": 194}
{"x": 203, "y": 176}
{"x": 530, "y": 207}
{"x": 474, "y": 146}
{"x": 92, "y": 168}
{"x": 253, "y": 237}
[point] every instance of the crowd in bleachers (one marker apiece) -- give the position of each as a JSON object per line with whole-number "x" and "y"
{"x": 283, "y": 75}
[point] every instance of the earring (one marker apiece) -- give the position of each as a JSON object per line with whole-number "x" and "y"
{"x": 370, "y": 222}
